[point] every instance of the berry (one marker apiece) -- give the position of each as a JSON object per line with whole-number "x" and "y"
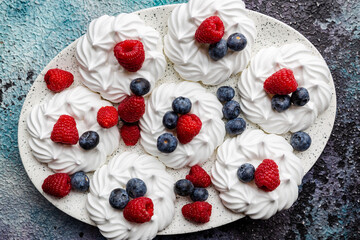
{"x": 199, "y": 177}
{"x": 167, "y": 143}
{"x": 236, "y": 42}
{"x": 188, "y": 127}
{"x": 140, "y": 86}
{"x": 267, "y": 175}
{"x": 130, "y": 134}
{"x": 300, "y": 141}
{"x": 107, "y": 117}
{"x": 57, "y": 185}
{"x": 246, "y": 172}
{"x": 300, "y": 97}
{"x": 183, "y": 187}
{"x": 211, "y": 30}
{"x": 136, "y": 187}
{"x": 89, "y": 140}
{"x": 65, "y": 131}
{"x": 118, "y": 198}
{"x": 181, "y": 105}
{"x": 58, "y": 80}
{"x": 282, "y": 82}
{"x": 198, "y": 212}
{"x": 218, "y": 50}
{"x": 231, "y": 110}
{"x": 132, "y": 108}
{"x": 80, "y": 182}
{"x": 199, "y": 194}
{"x": 235, "y": 126}
{"x": 139, "y": 210}
{"x": 130, "y": 54}
{"x": 225, "y": 93}
{"x": 280, "y": 102}
{"x": 170, "y": 120}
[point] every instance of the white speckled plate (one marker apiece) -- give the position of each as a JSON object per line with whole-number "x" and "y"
{"x": 270, "y": 33}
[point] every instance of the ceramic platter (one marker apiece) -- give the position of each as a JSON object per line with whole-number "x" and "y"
{"x": 271, "y": 32}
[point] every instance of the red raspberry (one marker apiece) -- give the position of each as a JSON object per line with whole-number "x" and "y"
{"x": 267, "y": 175}
{"x": 130, "y": 54}
{"x": 188, "y": 126}
{"x": 211, "y": 30}
{"x": 282, "y": 82}
{"x": 57, "y": 79}
{"x": 65, "y": 131}
{"x": 132, "y": 108}
{"x": 198, "y": 212}
{"x": 199, "y": 177}
{"x": 57, "y": 185}
{"x": 107, "y": 117}
{"x": 139, "y": 210}
{"x": 130, "y": 133}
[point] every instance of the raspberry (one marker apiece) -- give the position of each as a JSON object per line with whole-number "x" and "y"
{"x": 107, "y": 117}
{"x": 131, "y": 109}
{"x": 57, "y": 79}
{"x": 189, "y": 125}
{"x": 267, "y": 175}
{"x": 139, "y": 210}
{"x": 130, "y": 54}
{"x": 282, "y": 82}
{"x": 198, "y": 212}
{"x": 57, "y": 185}
{"x": 199, "y": 177}
{"x": 130, "y": 133}
{"x": 65, "y": 131}
{"x": 211, "y": 30}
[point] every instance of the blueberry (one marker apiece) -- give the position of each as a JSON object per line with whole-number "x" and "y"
{"x": 140, "y": 86}
{"x": 280, "y": 102}
{"x": 199, "y": 194}
{"x": 170, "y": 120}
{"x": 181, "y": 105}
{"x": 80, "y": 182}
{"x": 218, "y": 50}
{"x": 231, "y": 110}
{"x": 246, "y": 172}
{"x": 236, "y": 42}
{"x": 300, "y": 141}
{"x": 235, "y": 126}
{"x": 167, "y": 143}
{"x": 183, "y": 187}
{"x": 300, "y": 97}
{"x": 136, "y": 187}
{"x": 225, "y": 93}
{"x": 89, "y": 140}
{"x": 118, "y": 198}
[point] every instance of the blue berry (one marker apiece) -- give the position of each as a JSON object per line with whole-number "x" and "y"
{"x": 118, "y": 198}
{"x": 231, "y": 110}
{"x": 170, "y": 120}
{"x": 225, "y": 93}
{"x": 218, "y": 50}
{"x": 300, "y": 141}
{"x": 140, "y": 86}
{"x": 280, "y": 102}
{"x": 235, "y": 126}
{"x": 199, "y": 194}
{"x": 167, "y": 143}
{"x": 80, "y": 182}
{"x": 136, "y": 187}
{"x": 236, "y": 42}
{"x": 181, "y": 105}
{"x": 183, "y": 187}
{"x": 89, "y": 140}
{"x": 246, "y": 172}
{"x": 300, "y": 97}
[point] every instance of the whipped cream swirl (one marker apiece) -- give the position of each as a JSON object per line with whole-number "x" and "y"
{"x": 116, "y": 174}
{"x": 253, "y": 146}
